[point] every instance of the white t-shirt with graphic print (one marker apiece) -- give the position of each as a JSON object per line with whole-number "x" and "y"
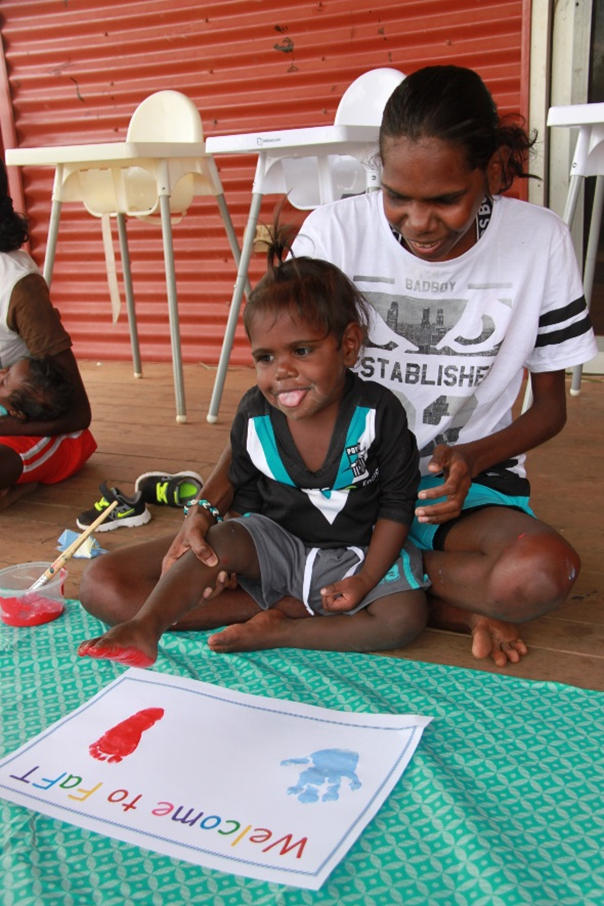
{"x": 451, "y": 338}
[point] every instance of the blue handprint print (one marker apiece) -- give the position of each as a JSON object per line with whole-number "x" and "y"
{"x": 326, "y": 770}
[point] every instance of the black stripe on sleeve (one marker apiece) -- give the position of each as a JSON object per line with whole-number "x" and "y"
{"x": 563, "y": 314}
{"x": 555, "y": 337}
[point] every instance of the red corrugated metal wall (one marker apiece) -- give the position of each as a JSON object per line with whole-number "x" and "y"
{"x": 76, "y": 69}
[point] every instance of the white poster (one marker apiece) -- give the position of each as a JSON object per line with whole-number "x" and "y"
{"x": 255, "y": 786}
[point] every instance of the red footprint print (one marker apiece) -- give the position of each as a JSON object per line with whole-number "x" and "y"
{"x": 122, "y": 740}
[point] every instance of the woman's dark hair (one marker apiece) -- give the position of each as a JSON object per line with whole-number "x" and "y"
{"x": 314, "y": 290}
{"x": 46, "y": 394}
{"x": 453, "y": 104}
{"x": 13, "y": 226}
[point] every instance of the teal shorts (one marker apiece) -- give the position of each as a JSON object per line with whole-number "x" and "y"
{"x": 423, "y": 534}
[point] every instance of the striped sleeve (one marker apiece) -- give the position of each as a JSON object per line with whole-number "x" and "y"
{"x": 563, "y": 324}
{"x": 564, "y": 333}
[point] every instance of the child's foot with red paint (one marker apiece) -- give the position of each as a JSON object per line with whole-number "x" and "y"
{"x": 127, "y": 644}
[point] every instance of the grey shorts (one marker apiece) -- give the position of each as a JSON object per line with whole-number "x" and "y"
{"x": 289, "y": 568}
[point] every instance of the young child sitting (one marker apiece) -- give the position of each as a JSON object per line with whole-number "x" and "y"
{"x": 325, "y": 471}
{"x": 48, "y": 444}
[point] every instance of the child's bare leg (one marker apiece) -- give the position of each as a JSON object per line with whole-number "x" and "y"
{"x": 11, "y": 467}
{"x": 499, "y": 567}
{"x": 390, "y": 622}
{"x": 115, "y": 586}
{"x": 135, "y": 642}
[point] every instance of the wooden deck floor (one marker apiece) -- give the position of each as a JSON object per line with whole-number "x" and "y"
{"x": 136, "y": 432}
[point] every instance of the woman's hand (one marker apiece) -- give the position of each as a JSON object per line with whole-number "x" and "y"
{"x": 459, "y": 464}
{"x": 456, "y": 467}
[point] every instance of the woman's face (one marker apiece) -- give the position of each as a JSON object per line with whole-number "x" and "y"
{"x": 431, "y": 196}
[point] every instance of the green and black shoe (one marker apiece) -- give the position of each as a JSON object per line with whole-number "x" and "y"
{"x": 176, "y": 489}
{"x": 129, "y": 512}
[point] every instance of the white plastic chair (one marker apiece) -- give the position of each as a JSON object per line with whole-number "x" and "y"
{"x": 155, "y": 180}
{"x": 312, "y": 166}
{"x": 310, "y": 181}
{"x": 133, "y": 190}
{"x": 588, "y": 160}
{"x": 362, "y": 104}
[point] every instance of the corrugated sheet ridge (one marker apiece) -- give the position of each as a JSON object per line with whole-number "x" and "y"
{"x": 76, "y": 75}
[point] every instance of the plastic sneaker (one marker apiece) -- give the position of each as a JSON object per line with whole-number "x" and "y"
{"x": 129, "y": 512}
{"x": 167, "y": 489}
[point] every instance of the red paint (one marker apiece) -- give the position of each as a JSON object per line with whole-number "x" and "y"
{"x": 129, "y": 656}
{"x": 122, "y": 740}
{"x": 29, "y": 610}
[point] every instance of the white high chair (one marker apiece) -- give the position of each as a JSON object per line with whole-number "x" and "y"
{"x": 135, "y": 189}
{"x": 154, "y": 175}
{"x": 588, "y": 160}
{"x": 312, "y": 166}
{"x": 312, "y": 181}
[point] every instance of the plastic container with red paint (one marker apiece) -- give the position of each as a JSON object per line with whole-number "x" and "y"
{"x": 21, "y": 607}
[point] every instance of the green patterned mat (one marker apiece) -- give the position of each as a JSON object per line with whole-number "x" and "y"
{"x": 500, "y": 806}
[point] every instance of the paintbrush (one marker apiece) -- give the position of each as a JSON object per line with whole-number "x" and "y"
{"x": 68, "y": 553}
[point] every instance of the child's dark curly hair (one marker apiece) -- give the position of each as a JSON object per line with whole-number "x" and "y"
{"x": 13, "y": 227}
{"x": 46, "y": 395}
{"x": 314, "y": 290}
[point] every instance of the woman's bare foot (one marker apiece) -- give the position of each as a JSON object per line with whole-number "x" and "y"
{"x": 125, "y": 644}
{"x": 496, "y": 639}
{"x": 268, "y": 629}
{"x": 490, "y": 638}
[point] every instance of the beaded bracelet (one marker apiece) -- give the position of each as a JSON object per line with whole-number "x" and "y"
{"x": 205, "y": 505}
